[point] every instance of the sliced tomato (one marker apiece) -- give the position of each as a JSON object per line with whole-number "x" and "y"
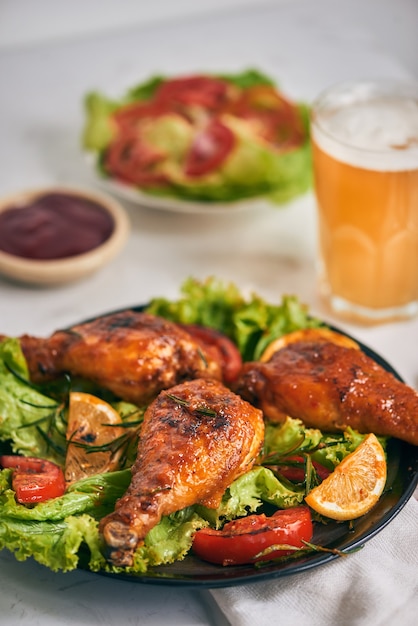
{"x": 34, "y": 480}
{"x": 275, "y": 118}
{"x": 129, "y": 159}
{"x": 295, "y": 470}
{"x": 210, "y": 148}
{"x": 241, "y": 541}
{"x": 219, "y": 347}
{"x": 204, "y": 91}
{"x": 130, "y": 114}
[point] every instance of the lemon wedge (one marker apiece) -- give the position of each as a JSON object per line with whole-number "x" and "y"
{"x": 308, "y": 334}
{"x": 92, "y": 423}
{"x": 354, "y": 486}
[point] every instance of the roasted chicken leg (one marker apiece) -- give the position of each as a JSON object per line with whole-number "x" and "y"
{"x": 330, "y": 387}
{"x": 133, "y": 354}
{"x": 196, "y": 438}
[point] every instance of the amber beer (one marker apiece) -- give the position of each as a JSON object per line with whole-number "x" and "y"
{"x": 365, "y": 154}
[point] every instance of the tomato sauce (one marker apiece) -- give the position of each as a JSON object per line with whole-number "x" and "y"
{"x": 54, "y": 226}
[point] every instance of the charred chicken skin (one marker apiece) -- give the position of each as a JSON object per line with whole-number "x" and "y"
{"x": 135, "y": 355}
{"x": 330, "y": 387}
{"x": 196, "y": 439}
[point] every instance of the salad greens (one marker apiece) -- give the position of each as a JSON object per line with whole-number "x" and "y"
{"x": 26, "y": 414}
{"x": 255, "y": 167}
{"x": 62, "y": 533}
{"x": 211, "y": 303}
{"x": 251, "y": 322}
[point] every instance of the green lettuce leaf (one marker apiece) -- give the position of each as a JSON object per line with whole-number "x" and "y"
{"x": 248, "y": 493}
{"x": 30, "y": 420}
{"x": 53, "y": 532}
{"x": 171, "y": 539}
{"x": 98, "y": 130}
{"x": 334, "y": 447}
{"x": 248, "y": 78}
{"x": 251, "y": 323}
{"x": 145, "y": 90}
{"x": 290, "y": 438}
{"x": 53, "y": 544}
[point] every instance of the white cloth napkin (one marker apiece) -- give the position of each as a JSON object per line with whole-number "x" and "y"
{"x": 376, "y": 586}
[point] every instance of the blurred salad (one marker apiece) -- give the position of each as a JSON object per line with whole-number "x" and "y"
{"x": 210, "y": 138}
{"x": 61, "y": 532}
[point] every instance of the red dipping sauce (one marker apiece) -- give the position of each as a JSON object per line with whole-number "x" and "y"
{"x": 54, "y": 226}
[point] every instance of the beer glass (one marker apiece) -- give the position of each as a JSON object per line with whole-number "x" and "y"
{"x": 365, "y": 155}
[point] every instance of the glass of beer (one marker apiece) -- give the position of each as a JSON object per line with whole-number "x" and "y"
{"x": 365, "y": 155}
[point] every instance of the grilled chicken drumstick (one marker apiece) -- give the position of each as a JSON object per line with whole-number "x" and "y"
{"x": 330, "y": 387}
{"x": 196, "y": 438}
{"x": 135, "y": 355}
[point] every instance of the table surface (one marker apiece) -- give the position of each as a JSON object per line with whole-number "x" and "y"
{"x": 44, "y": 74}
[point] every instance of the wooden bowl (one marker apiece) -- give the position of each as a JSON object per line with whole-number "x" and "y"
{"x": 55, "y": 271}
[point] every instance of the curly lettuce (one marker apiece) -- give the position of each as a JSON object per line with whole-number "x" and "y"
{"x": 251, "y": 323}
{"x": 27, "y": 413}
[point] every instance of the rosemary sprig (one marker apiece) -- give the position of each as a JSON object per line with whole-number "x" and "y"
{"x": 41, "y": 420}
{"x": 50, "y": 442}
{"x": 178, "y": 400}
{"x": 298, "y": 552}
{"x": 202, "y": 356}
{"x": 274, "y": 458}
{"x": 40, "y": 406}
{"x": 203, "y": 410}
{"x": 125, "y": 424}
{"x": 21, "y": 378}
{"x": 110, "y": 446}
{"x": 316, "y": 548}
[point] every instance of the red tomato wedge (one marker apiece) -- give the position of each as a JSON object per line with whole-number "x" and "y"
{"x": 204, "y": 91}
{"x": 277, "y": 119}
{"x": 295, "y": 471}
{"x": 128, "y": 115}
{"x": 131, "y": 160}
{"x": 219, "y": 347}
{"x": 210, "y": 148}
{"x": 241, "y": 541}
{"x": 34, "y": 480}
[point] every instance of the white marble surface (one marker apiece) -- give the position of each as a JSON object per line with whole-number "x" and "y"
{"x": 307, "y": 46}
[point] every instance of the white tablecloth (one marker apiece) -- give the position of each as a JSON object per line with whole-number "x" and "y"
{"x": 377, "y": 586}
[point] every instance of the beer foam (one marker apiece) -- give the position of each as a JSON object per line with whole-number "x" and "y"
{"x": 376, "y": 134}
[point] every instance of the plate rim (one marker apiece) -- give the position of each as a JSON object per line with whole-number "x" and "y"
{"x": 170, "y": 204}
